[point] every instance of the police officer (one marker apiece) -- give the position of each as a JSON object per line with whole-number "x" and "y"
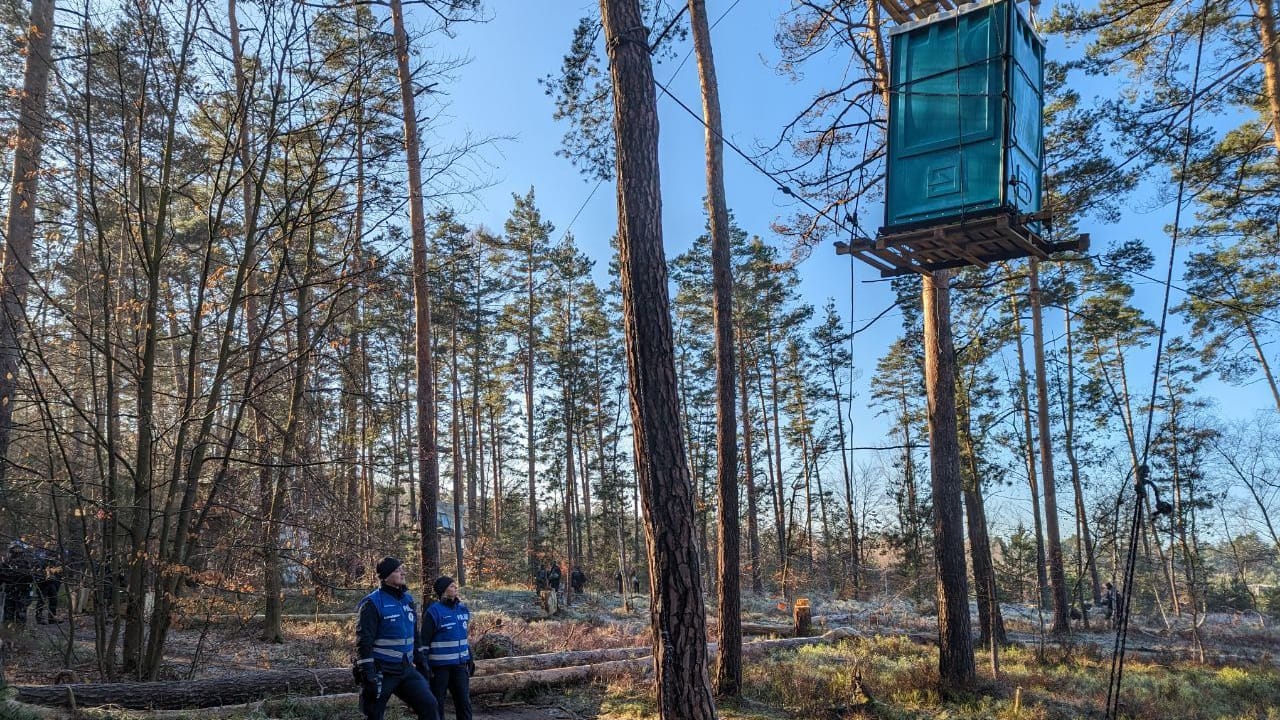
{"x": 389, "y": 661}
{"x": 48, "y": 577}
{"x": 444, "y": 634}
{"x": 17, "y": 572}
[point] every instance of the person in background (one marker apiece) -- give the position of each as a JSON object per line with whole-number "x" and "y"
{"x": 635, "y": 582}
{"x": 388, "y": 659}
{"x": 578, "y": 580}
{"x": 617, "y": 577}
{"x": 48, "y": 577}
{"x": 444, "y": 635}
{"x": 17, "y": 573}
{"x": 1109, "y": 609}
{"x": 553, "y": 579}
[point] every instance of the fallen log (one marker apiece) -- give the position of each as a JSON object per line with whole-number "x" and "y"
{"x": 493, "y": 676}
{"x": 195, "y": 620}
{"x": 749, "y": 628}
{"x": 174, "y": 695}
{"x": 544, "y": 661}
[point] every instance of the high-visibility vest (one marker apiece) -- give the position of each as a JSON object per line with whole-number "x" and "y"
{"x": 397, "y": 622}
{"x": 449, "y": 644}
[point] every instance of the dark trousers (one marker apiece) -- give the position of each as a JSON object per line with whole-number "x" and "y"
{"x": 16, "y": 598}
{"x": 409, "y": 686}
{"x": 456, "y": 681}
{"x": 47, "y": 599}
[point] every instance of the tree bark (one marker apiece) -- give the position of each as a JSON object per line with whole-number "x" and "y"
{"x": 20, "y": 228}
{"x": 1042, "y": 581}
{"x": 677, "y": 617}
{"x": 1266, "y": 18}
{"x": 1068, "y": 446}
{"x": 728, "y": 673}
{"x": 955, "y": 645}
{"x": 428, "y": 452}
{"x": 748, "y": 466}
{"x": 455, "y": 428}
{"x": 1057, "y": 576}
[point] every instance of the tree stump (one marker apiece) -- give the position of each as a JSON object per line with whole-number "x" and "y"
{"x": 802, "y": 617}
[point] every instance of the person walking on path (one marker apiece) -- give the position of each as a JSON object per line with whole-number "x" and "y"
{"x": 388, "y": 658}
{"x": 444, "y": 635}
{"x": 578, "y": 580}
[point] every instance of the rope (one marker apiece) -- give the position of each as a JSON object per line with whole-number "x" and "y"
{"x": 1140, "y": 472}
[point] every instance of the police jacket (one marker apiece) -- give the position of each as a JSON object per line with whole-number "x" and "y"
{"x": 386, "y": 631}
{"x": 444, "y": 634}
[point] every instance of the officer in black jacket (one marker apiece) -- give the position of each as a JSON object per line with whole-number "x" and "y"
{"x": 17, "y": 573}
{"x": 388, "y": 659}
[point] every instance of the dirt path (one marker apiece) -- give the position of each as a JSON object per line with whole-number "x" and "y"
{"x": 523, "y": 712}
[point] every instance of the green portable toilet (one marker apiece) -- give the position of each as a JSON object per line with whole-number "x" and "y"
{"x": 966, "y": 106}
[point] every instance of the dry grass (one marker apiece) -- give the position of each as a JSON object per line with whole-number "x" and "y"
{"x": 887, "y": 677}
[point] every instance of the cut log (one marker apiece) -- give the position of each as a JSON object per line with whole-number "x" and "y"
{"x": 173, "y": 695}
{"x": 767, "y": 629}
{"x": 553, "y": 660}
{"x": 510, "y": 682}
{"x": 492, "y": 676}
{"x": 197, "y": 620}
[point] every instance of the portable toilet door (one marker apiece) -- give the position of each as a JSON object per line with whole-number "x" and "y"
{"x": 966, "y": 111}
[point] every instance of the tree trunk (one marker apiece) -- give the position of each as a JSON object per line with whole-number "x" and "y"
{"x": 955, "y": 645}
{"x": 749, "y": 471}
{"x": 1266, "y": 18}
{"x": 20, "y": 229}
{"x": 1057, "y": 576}
{"x": 455, "y": 428}
{"x": 1042, "y": 582}
{"x": 1068, "y": 446}
{"x": 570, "y": 485}
{"x": 276, "y": 492}
{"x": 531, "y": 538}
{"x": 728, "y": 673}
{"x": 677, "y": 620}
{"x": 990, "y": 620}
{"x": 428, "y": 453}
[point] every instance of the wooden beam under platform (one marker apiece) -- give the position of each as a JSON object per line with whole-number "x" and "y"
{"x": 978, "y": 240}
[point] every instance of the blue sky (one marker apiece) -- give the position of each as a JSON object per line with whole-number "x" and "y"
{"x": 497, "y": 94}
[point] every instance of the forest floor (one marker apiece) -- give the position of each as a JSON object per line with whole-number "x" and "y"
{"x": 881, "y": 674}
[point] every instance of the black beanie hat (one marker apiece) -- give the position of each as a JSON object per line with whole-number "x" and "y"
{"x": 442, "y": 583}
{"x": 388, "y": 565}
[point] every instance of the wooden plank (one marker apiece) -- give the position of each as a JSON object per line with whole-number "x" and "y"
{"x": 1018, "y": 240}
{"x": 895, "y": 11}
{"x": 973, "y": 259}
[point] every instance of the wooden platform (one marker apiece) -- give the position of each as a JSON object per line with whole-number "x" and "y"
{"x": 905, "y": 11}
{"x": 978, "y": 241}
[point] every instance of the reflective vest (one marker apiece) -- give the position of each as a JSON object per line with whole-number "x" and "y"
{"x": 397, "y": 623}
{"x": 449, "y": 644}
